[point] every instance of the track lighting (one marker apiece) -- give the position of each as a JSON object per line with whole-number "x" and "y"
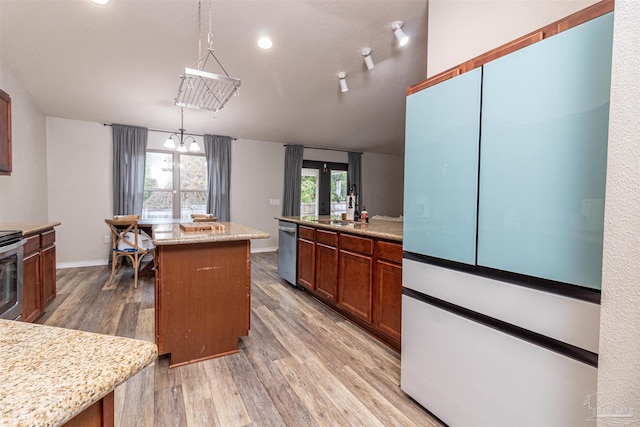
{"x": 396, "y": 26}
{"x": 343, "y": 83}
{"x": 368, "y": 60}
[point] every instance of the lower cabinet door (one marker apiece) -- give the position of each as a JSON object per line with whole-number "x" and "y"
{"x": 48, "y": 275}
{"x": 389, "y": 298}
{"x": 31, "y": 302}
{"x": 326, "y": 271}
{"x": 306, "y": 263}
{"x": 355, "y": 284}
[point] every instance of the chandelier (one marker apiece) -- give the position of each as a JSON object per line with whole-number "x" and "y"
{"x": 181, "y": 146}
{"x": 202, "y": 89}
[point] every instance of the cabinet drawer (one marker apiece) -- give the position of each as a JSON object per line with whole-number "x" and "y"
{"x": 47, "y": 238}
{"x": 32, "y": 245}
{"x": 307, "y": 233}
{"x": 356, "y": 244}
{"x": 329, "y": 238}
{"x": 390, "y": 251}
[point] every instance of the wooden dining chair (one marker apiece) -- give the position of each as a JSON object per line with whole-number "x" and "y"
{"x": 203, "y": 217}
{"x": 127, "y": 241}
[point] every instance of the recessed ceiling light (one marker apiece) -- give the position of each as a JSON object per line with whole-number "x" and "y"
{"x": 100, "y": 1}
{"x": 264, "y": 43}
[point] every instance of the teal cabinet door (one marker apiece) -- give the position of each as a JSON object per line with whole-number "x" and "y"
{"x": 545, "y": 115}
{"x": 441, "y": 169}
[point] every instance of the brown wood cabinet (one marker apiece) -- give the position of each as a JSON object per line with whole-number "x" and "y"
{"x": 5, "y": 133}
{"x": 388, "y": 316}
{"x": 100, "y": 414}
{"x": 202, "y": 303}
{"x": 326, "y": 264}
{"x": 38, "y": 274}
{"x": 48, "y": 266}
{"x": 358, "y": 276}
{"x": 306, "y": 257}
{"x": 355, "y": 284}
{"x": 31, "y": 301}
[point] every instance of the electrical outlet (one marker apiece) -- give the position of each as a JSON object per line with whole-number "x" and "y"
{"x": 107, "y": 238}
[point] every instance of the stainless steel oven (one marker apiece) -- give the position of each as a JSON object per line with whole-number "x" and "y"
{"x": 11, "y": 274}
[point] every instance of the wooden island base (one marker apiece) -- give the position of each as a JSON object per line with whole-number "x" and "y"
{"x": 202, "y": 299}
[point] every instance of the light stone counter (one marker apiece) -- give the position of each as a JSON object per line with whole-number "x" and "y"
{"x": 28, "y": 228}
{"x": 49, "y": 375}
{"x": 172, "y": 234}
{"x": 382, "y": 229}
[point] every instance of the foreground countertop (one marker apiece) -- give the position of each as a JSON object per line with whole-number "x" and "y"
{"x": 382, "y": 229}
{"x": 48, "y": 375}
{"x": 28, "y": 228}
{"x": 172, "y": 234}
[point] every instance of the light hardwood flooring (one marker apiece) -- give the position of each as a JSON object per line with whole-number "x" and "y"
{"x": 301, "y": 365}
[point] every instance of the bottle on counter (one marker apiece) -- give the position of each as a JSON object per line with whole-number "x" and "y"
{"x": 364, "y": 215}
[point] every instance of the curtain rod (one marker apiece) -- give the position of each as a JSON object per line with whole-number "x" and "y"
{"x": 171, "y": 131}
{"x": 328, "y": 149}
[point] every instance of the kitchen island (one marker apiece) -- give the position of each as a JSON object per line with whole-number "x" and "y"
{"x": 51, "y": 376}
{"x": 202, "y": 290}
{"x": 354, "y": 268}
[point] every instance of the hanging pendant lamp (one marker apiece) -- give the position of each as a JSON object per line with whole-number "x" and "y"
{"x": 201, "y": 89}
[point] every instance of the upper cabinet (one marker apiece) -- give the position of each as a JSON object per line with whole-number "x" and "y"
{"x": 505, "y": 165}
{"x": 441, "y": 169}
{"x": 545, "y": 117}
{"x": 5, "y": 133}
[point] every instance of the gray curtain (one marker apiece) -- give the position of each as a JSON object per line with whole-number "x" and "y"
{"x": 354, "y": 176}
{"x": 129, "y": 155}
{"x": 218, "y": 152}
{"x": 293, "y": 155}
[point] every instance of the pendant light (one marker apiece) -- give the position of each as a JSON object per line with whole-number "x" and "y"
{"x": 181, "y": 146}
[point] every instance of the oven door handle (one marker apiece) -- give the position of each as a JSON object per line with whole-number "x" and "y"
{"x": 12, "y": 246}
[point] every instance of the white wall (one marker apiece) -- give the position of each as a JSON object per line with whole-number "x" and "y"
{"x": 257, "y": 176}
{"x": 619, "y": 366}
{"x": 80, "y": 189}
{"x": 23, "y": 194}
{"x": 463, "y": 29}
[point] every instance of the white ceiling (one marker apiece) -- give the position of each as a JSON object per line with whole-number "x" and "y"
{"x": 121, "y": 63}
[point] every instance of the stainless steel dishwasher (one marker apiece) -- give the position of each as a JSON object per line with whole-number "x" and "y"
{"x": 287, "y": 251}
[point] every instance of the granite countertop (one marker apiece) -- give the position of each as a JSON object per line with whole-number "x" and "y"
{"x": 26, "y": 227}
{"x": 382, "y": 229}
{"x": 48, "y": 375}
{"x": 172, "y": 234}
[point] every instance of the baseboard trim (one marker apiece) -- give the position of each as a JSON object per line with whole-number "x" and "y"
{"x": 74, "y": 264}
{"x": 259, "y": 250}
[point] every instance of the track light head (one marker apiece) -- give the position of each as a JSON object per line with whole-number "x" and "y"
{"x": 368, "y": 60}
{"x": 343, "y": 82}
{"x": 396, "y": 26}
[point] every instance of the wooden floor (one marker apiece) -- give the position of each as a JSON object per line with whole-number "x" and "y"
{"x": 301, "y": 365}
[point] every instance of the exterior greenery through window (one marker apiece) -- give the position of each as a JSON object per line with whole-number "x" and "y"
{"x": 323, "y": 188}
{"x": 175, "y": 185}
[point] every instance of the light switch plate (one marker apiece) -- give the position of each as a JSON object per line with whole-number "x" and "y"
{"x": 274, "y": 202}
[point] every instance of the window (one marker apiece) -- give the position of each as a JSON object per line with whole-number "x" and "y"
{"x": 323, "y": 188}
{"x": 174, "y": 192}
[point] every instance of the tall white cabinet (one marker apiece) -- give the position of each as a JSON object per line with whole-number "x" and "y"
{"x": 504, "y": 207}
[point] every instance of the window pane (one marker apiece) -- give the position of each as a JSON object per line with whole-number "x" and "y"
{"x": 339, "y": 192}
{"x": 193, "y": 172}
{"x": 158, "y": 186}
{"x": 157, "y": 204}
{"x": 159, "y": 171}
{"x": 193, "y": 202}
{"x": 309, "y": 194}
